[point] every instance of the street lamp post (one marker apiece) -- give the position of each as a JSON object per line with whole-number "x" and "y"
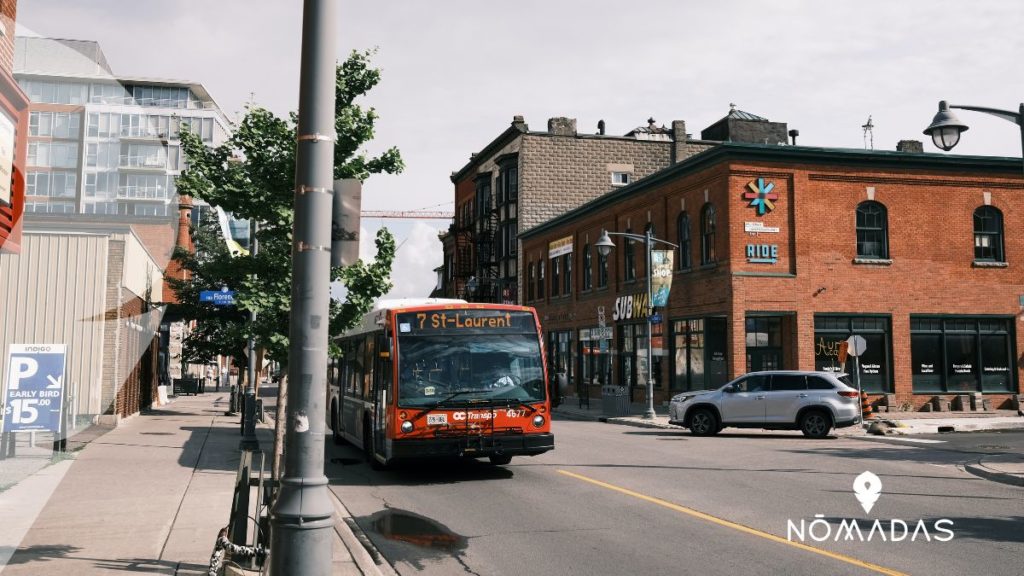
{"x": 946, "y": 128}
{"x": 604, "y": 246}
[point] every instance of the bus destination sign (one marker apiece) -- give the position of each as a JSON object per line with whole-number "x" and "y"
{"x": 466, "y": 321}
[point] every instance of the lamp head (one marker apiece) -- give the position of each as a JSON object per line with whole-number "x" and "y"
{"x": 945, "y": 128}
{"x": 604, "y": 244}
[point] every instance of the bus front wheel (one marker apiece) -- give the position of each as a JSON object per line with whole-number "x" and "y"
{"x": 500, "y": 459}
{"x": 368, "y": 447}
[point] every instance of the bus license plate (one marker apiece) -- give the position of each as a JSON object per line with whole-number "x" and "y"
{"x": 437, "y": 419}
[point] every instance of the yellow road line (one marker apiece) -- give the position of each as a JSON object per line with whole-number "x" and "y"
{"x": 735, "y": 526}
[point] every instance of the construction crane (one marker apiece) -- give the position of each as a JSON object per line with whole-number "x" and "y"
{"x": 409, "y": 214}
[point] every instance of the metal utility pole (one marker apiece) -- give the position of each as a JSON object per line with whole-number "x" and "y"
{"x": 302, "y": 519}
{"x": 249, "y": 441}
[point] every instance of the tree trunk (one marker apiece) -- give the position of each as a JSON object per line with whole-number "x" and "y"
{"x": 279, "y": 425}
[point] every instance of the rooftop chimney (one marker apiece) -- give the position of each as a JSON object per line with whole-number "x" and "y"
{"x": 600, "y": 127}
{"x": 914, "y": 146}
{"x": 679, "y": 138}
{"x": 562, "y": 126}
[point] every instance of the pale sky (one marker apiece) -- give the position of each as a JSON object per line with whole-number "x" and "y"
{"x": 455, "y": 72}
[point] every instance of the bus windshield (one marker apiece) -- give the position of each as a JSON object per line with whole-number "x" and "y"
{"x": 484, "y": 368}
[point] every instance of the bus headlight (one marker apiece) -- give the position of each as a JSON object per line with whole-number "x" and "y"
{"x": 407, "y": 426}
{"x": 538, "y": 421}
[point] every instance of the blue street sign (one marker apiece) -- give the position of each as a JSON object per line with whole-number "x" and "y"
{"x": 222, "y": 297}
{"x": 35, "y": 388}
{"x": 655, "y": 318}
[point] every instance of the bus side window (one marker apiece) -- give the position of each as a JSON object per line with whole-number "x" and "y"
{"x": 368, "y": 364}
{"x": 359, "y": 371}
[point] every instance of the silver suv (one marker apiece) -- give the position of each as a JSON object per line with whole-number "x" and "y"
{"x": 812, "y": 402}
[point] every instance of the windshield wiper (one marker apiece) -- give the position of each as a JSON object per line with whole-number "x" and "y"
{"x": 443, "y": 401}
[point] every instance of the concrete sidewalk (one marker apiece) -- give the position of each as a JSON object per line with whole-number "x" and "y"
{"x": 149, "y": 496}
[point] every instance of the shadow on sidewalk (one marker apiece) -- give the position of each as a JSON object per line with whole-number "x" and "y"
{"x": 42, "y": 553}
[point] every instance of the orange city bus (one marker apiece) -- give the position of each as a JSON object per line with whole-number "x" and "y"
{"x": 422, "y": 378}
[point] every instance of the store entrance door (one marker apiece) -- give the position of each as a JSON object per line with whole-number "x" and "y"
{"x": 763, "y": 359}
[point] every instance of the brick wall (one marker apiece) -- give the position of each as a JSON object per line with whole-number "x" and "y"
{"x": 559, "y": 173}
{"x": 930, "y": 223}
{"x": 8, "y": 15}
{"x": 113, "y": 335}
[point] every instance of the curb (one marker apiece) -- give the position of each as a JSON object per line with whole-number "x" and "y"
{"x": 979, "y": 469}
{"x": 358, "y": 545}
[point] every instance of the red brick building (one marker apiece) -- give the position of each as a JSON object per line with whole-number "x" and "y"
{"x": 13, "y": 136}
{"x": 785, "y": 251}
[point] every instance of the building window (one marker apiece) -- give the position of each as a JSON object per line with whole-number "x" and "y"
{"x": 567, "y": 274}
{"x": 621, "y": 178}
{"x": 831, "y": 330}
{"x": 872, "y": 231}
{"x": 602, "y": 270}
{"x": 707, "y": 234}
{"x": 683, "y": 239}
{"x": 587, "y": 268}
{"x": 961, "y": 354}
{"x": 540, "y": 280}
{"x": 556, "y": 266}
{"x": 629, "y": 262}
{"x": 764, "y": 343}
{"x": 698, "y": 354}
{"x": 532, "y": 277}
{"x": 988, "y": 234}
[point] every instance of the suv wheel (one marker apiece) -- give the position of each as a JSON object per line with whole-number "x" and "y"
{"x": 815, "y": 424}
{"x": 703, "y": 422}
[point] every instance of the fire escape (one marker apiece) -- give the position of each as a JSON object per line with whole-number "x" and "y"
{"x": 487, "y": 287}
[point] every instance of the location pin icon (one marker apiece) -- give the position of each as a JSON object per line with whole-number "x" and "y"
{"x": 867, "y": 488}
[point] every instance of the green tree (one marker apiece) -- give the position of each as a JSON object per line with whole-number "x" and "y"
{"x": 251, "y": 175}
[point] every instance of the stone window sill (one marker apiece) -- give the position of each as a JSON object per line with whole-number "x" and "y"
{"x": 989, "y": 264}
{"x": 873, "y": 261}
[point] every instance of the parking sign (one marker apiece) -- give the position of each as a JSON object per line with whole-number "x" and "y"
{"x": 34, "y": 389}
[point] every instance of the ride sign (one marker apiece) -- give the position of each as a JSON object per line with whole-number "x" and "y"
{"x": 34, "y": 395}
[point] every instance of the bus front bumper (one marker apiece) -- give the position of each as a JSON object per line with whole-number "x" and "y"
{"x": 474, "y": 446}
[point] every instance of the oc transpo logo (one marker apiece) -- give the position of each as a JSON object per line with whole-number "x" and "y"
{"x": 867, "y": 488}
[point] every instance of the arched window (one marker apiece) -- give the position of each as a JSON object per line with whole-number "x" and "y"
{"x": 872, "y": 231}
{"x": 988, "y": 234}
{"x": 555, "y": 276}
{"x": 587, "y": 268}
{"x": 540, "y": 280}
{"x": 707, "y": 234}
{"x": 629, "y": 261}
{"x": 529, "y": 284}
{"x": 683, "y": 239}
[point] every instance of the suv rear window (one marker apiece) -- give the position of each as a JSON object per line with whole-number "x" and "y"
{"x": 819, "y": 383}
{"x": 784, "y": 382}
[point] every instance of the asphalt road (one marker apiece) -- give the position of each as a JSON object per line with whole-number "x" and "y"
{"x": 618, "y": 500}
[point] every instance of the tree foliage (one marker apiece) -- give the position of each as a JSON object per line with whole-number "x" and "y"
{"x": 251, "y": 176}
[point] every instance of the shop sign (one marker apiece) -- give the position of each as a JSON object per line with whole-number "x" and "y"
{"x": 601, "y": 333}
{"x": 560, "y": 247}
{"x": 629, "y": 307}
{"x": 761, "y": 196}
{"x": 661, "y": 276}
{"x": 759, "y": 227}
{"x": 763, "y": 253}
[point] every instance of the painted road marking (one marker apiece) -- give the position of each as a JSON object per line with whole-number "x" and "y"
{"x": 735, "y": 526}
{"x": 915, "y": 440}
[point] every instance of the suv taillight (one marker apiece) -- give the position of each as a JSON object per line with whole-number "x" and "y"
{"x": 848, "y": 393}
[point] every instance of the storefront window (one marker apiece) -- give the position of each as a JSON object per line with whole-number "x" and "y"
{"x": 831, "y": 330}
{"x": 961, "y": 354}
{"x": 764, "y": 343}
{"x": 698, "y": 354}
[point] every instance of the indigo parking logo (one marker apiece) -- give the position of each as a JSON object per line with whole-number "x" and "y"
{"x": 867, "y": 488}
